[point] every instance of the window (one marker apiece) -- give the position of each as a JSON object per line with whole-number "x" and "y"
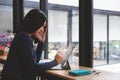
{"x": 57, "y": 31}
{"x": 63, "y": 27}
{"x": 6, "y": 18}
{"x": 106, "y": 30}
{"x": 6, "y": 25}
{"x": 114, "y": 39}
{"x": 30, "y": 4}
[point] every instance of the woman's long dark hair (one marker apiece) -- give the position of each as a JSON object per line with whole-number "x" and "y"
{"x": 32, "y": 21}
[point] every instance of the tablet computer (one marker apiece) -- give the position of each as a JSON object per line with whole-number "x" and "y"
{"x": 65, "y": 63}
{"x": 67, "y": 54}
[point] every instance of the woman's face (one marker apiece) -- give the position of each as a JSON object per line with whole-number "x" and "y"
{"x": 40, "y": 34}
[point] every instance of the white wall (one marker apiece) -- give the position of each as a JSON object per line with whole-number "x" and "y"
{"x": 113, "y": 5}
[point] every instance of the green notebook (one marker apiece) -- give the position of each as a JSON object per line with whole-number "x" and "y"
{"x": 79, "y": 72}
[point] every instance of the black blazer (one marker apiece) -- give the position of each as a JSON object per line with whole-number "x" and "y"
{"x": 22, "y": 62}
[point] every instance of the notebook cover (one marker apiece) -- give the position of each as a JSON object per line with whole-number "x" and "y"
{"x": 79, "y": 72}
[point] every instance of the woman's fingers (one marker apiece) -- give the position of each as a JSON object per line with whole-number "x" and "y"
{"x": 59, "y": 57}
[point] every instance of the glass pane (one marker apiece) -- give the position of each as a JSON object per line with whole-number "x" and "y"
{"x": 65, "y": 2}
{"x": 112, "y": 5}
{"x": 6, "y": 25}
{"x": 57, "y": 31}
{"x": 75, "y": 26}
{"x": 33, "y": 0}
{"x": 6, "y": 18}
{"x": 100, "y": 39}
{"x": 63, "y": 27}
{"x": 75, "y": 37}
{"x": 30, "y": 4}
{"x": 114, "y": 39}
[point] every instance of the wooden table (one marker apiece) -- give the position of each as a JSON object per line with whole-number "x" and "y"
{"x": 103, "y": 75}
{"x": 63, "y": 74}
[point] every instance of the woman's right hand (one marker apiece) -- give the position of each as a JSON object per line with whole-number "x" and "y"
{"x": 59, "y": 56}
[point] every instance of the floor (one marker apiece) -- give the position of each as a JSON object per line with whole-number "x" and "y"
{"x": 110, "y": 67}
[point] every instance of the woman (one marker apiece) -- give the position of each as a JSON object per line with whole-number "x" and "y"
{"x": 22, "y": 62}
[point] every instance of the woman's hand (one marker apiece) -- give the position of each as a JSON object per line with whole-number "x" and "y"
{"x": 59, "y": 56}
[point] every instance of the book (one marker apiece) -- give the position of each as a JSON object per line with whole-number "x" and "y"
{"x": 79, "y": 72}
